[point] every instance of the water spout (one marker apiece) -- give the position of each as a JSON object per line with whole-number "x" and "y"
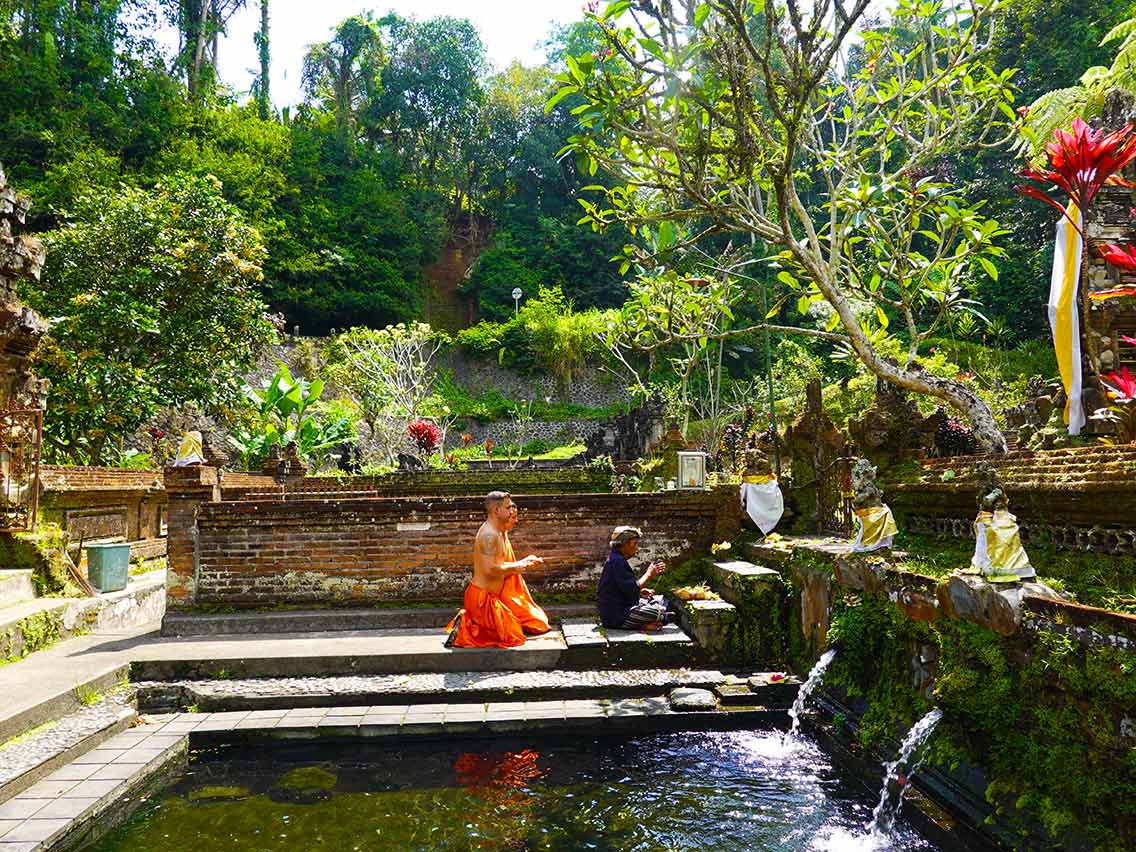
{"x": 897, "y": 775}
{"x": 811, "y": 682}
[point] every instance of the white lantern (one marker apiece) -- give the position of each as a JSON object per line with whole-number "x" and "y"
{"x": 691, "y": 470}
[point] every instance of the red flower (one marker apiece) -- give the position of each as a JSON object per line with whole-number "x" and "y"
{"x": 1122, "y": 257}
{"x": 1122, "y": 385}
{"x": 1023, "y": 111}
{"x": 426, "y": 435}
{"x": 1081, "y": 161}
{"x": 1131, "y": 341}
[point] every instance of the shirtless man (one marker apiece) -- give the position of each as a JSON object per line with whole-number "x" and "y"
{"x": 499, "y": 610}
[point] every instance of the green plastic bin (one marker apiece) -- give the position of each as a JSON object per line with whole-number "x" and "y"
{"x": 108, "y": 566}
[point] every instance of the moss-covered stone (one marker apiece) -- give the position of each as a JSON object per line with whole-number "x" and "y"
{"x": 44, "y": 552}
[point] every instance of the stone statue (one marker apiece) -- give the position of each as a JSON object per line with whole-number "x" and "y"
{"x": 875, "y": 525}
{"x": 761, "y": 494}
{"x": 998, "y": 552}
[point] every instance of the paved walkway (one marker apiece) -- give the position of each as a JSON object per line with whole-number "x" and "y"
{"x": 44, "y": 685}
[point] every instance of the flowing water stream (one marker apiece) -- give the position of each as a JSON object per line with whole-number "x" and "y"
{"x": 811, "y": 683}
{"x": 898, "y": 773}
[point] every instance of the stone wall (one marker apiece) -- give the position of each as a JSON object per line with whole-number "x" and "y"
{"x": 589, "y": 388}
{"x": 503, "y": 432}
{"x": 429, "y": 483}
{"x": 1038, "y": 694}
{"x": 98, "y": 504}
{"x": 366, "y": 550}
{"x": 1080, "y": 498}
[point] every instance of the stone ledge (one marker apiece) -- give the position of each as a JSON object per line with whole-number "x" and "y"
{"x": 999, "y": 607}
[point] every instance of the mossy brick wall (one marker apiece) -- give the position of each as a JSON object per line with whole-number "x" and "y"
{"x": 1081, "y": 498}
{"x": 431, "y": 483}
{"x": 102, "y": 503}
{"x": 350, "y": 550}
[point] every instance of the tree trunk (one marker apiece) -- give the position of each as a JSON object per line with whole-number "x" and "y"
{"x": 990, "y": 438}
{"x": 262, "y": 98}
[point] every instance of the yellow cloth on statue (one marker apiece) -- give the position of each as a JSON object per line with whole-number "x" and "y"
{"x": 189, "y": 450}
{"x": 876, "y": 528}
{"x": 759, "y": 479}
{"x": 998, "y": 551}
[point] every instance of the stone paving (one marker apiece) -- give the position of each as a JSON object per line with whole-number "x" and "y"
{"x": 249, "y": 693}
{"x": 23, "y": 754}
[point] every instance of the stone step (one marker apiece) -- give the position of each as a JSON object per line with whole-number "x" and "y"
{"x": 29, "y": 757}
{"x": 388, "y": 690}
{"x": 402, "y": 651}
{"x": 739, "y": 582}
{"x": 329, "y": 620}
{"x": 36, "y": 624}
{"x": 16, "y": 586}
{"x": 714, "y": 626}
{"x": 759, "y": 691}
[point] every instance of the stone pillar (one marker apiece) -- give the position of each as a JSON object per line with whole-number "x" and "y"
{"x": 186, "y": 489}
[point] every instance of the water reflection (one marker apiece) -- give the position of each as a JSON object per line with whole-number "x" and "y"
{"x": 688, "y": 791}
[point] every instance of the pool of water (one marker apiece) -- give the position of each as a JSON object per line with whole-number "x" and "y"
{"x": 685, "y": 791}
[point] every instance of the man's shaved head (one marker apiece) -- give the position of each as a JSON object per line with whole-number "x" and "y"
{"x": 494, "y": 499}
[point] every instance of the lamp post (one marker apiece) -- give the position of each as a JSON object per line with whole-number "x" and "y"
{"x": 517, "y": 300}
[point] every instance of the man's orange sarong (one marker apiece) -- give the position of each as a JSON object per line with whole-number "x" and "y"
{"x": 498, "y": 620}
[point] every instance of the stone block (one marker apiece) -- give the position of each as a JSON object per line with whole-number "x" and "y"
{"x": 971, "y": 598}
{"x": 738, "y": 581}
{"x": 758, "y": 593}
{"x": 861, "y": 572}
{"x": 713, "y": 625}
{"x": 687, "y": 698}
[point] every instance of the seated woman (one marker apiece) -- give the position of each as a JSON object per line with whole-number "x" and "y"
{"x": 625, "y": 602}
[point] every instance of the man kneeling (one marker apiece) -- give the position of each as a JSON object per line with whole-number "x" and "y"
{"x": 624, "y": 602}
{"x": 499, "y": 610}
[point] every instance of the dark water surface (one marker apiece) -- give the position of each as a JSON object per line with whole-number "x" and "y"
{"x": 688, "y": 791}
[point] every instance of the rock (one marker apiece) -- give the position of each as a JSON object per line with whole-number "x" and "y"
{"x": 687, "y": 698}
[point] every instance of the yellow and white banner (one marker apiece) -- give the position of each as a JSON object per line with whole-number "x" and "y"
{"x": 1064, "y": 316}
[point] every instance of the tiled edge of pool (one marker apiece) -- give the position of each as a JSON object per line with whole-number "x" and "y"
{"x": 99, "y": 790}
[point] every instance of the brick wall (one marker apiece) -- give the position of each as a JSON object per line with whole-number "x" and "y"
{"x": 106, "y": 504}
{"x": 368, "y": 550}
{"x": 1081, "y": 498}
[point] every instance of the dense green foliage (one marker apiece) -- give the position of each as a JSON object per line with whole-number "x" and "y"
{"x": 406, "y": 140}
{"x": 152, "y": 299}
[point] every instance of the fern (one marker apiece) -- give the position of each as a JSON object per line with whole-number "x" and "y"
{"x": 1057, "y": 109}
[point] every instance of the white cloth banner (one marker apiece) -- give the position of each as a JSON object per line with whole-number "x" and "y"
{"x": 1065, "y": 316}
{"x": 763, "y": 502}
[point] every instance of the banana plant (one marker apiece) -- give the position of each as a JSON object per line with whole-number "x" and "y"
{"x": 284, "y": 412}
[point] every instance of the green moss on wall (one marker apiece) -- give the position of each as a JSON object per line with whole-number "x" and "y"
{"x": 43, "y": 552}
{"x": 34, "y": 633}
{"x": 1040, "y": 714}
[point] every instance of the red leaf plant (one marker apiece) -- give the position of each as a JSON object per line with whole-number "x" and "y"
{"x": 1121, "y": 414}
{"x": 1081, "y": 161}
{"x": 1131, "y": 341}
{"x": 1121, "y": 386}
{"x": 426, "y": 435}
{"x": 1123, "y": 258}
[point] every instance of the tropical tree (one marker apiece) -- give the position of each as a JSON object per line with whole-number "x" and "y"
{"x": 731, "y": 116}
{"x": 343, "y": 73}
{"x": 153, "y": 300}
{"x": 200, "y": 24}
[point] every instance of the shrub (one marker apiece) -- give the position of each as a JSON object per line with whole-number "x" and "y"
{"x": 426, "y": 435}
